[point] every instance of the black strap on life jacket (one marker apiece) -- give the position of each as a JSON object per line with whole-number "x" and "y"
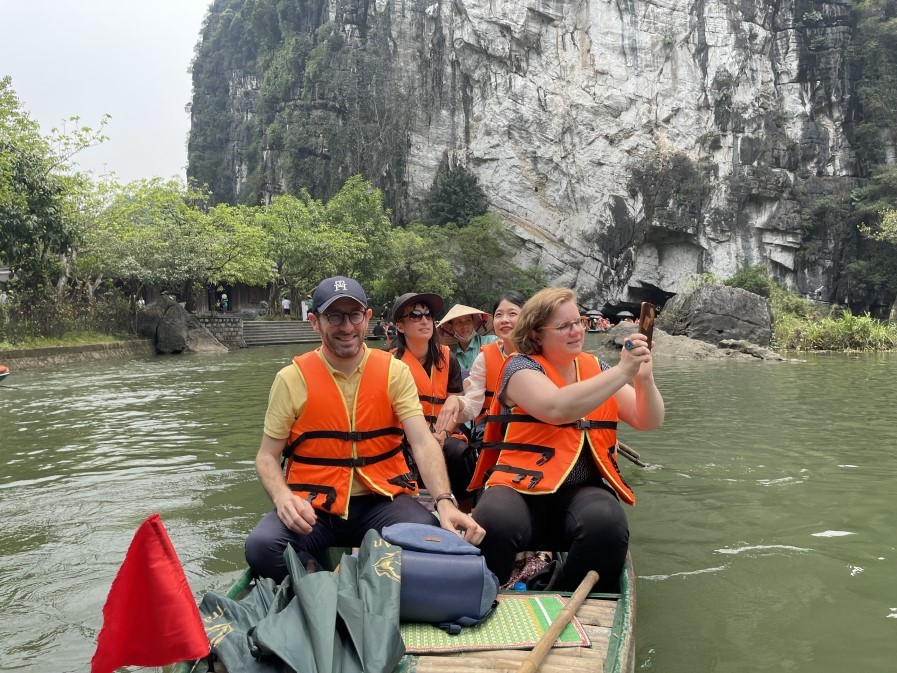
{"x": 314, "y": 490}
{"x": 431, "y": 399}
{"x": 356, "y": 436}
{"x": 534, "y": 475}
{"x": 546, "y": 451}
{"x": 359, "y": 461}
{"x": 581, "y": 424}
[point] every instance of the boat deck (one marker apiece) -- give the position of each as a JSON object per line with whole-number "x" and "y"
{"x": 597, "y": 618}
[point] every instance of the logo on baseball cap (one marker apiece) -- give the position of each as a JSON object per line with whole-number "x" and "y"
{"x": 331, "y": 289}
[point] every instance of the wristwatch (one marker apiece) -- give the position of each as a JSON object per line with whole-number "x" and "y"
{"x": 446, "y": 496}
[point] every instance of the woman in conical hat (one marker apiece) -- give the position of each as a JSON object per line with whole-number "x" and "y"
{"x": 464, "y": 329}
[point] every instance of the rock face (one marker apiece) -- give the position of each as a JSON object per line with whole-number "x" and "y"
{"x": 174, "y": 330}
{"x": 715, "y": 313}
{"x": 631, "y": 145}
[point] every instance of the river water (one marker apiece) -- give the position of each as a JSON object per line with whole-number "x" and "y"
{"x": 763, "y": 538}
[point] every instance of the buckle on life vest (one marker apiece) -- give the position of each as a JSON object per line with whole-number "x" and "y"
{"x": 405, "y": 481}
{"x": 314, "y": 491}
{"x": 583, "y": 424}
{"x": 534, "y": 475}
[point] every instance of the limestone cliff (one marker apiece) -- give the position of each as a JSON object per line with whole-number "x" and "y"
{"x": 632, "y": 144}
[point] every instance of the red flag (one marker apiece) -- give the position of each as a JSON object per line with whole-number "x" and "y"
{"x": 150, "y": 617}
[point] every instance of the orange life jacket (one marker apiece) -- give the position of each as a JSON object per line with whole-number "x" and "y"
{"x": 530, "y": 456}
{"x": 329, "y": 444}
{"x": 432, "y": 388}
{"x": 494, "y": 359}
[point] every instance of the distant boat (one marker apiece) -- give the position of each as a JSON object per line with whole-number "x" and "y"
{"x": 4, "y": 372}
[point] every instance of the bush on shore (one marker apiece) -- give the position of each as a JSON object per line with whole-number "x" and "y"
{"x": 847, "y": 332}
{"x": 803, "y": 325}
{"x": 54, "y": 320}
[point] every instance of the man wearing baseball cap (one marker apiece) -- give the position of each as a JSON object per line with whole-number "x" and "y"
{"x": 336, "y": 416}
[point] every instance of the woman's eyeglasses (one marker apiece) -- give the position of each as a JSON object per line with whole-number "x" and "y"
{"x": 417, "y": 316}
{"x": 568, "y": 326}
{"x": 336, "y": 317}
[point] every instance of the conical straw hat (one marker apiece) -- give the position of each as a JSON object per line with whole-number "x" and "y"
{"x": 460, "y": 310}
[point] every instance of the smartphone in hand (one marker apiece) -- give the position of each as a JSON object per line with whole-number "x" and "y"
{"x": 646, "y": 321}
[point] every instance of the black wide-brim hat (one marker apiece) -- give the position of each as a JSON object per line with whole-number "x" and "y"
{"x": 432, "y": 301}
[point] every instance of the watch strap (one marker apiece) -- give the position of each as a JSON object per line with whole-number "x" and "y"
{"x": 445, "y": 496}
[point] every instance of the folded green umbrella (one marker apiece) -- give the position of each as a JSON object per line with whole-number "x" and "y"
{"x": 344, "y": 622}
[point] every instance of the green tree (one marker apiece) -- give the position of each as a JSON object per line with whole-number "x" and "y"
{"x": 753, "y": 279}
{"x": 885, "y": 233}
{"x": 482, "y": 256}
{"x": 39, "y": 192}
{"x": 161, "y": 233}
{"x": 303, "y": 246}
{"x": 34, "y": 235}
{"x": 418, "y": 265}
{"x": 455, "y": 196}
{"x": 357, "y": 212}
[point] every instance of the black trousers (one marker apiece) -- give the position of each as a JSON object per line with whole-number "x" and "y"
{"x": 460, "y": 463}
{"x": 268, "y": 540}
{"x": 586, "y": 521}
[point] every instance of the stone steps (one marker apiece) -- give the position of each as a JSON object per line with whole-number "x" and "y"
{"x": 270, "y": 332}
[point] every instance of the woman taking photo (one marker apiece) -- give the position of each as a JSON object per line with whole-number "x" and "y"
{"x": 438, "y": 378}
{"x": 553, "y": 481}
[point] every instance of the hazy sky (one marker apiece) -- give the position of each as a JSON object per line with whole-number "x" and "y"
{"x": 122, "y": 57}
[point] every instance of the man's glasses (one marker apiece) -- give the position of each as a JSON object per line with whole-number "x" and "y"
{"x": 336, "y": 317}
{"x": 568, "y": 326}
{"x": 417, "y": 316}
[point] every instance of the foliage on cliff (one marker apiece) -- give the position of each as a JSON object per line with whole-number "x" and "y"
{"x": 318, "y": 109}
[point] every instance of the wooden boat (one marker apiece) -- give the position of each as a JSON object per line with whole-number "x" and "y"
{"x": 4, "y": 372}
{"x": 608, "y": 619}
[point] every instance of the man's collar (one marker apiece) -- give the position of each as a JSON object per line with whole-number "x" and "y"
{"x": 334, "y": 370}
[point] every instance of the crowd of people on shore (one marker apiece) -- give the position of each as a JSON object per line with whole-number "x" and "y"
{"x": 502, "y": 417}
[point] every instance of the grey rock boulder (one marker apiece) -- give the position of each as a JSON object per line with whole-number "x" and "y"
{"x": 174, "y": 330}
{"x": 713, "y": 313}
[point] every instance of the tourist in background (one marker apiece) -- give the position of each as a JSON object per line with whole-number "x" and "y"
{"x": 464, "y": 329}
{"x": 480, "y": 385}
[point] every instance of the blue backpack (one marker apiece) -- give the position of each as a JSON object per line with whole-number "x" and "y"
{"x": 445, "y": 580}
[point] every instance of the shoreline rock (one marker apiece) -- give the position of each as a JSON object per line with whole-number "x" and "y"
{"x": 680, "y": 347}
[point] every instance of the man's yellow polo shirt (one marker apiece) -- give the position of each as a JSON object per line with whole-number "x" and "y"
{"x": 286, "y": 401}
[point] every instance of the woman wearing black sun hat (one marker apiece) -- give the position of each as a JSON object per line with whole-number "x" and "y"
{"x": 438, "y": 376}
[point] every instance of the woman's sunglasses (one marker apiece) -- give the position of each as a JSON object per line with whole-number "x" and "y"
{"x": 417, "y": 316}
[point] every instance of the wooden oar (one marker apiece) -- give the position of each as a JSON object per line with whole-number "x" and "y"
{"x": 630, "y": 453}
{"x": 531, "y": 663}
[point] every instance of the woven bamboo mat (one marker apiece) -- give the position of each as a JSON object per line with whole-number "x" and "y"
{"x": 518, "y": 623}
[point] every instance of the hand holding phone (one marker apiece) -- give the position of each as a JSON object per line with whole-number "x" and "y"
{"x": 646, "y": 321}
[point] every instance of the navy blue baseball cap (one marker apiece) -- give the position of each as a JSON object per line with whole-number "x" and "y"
{"x": 331, "y": 289}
